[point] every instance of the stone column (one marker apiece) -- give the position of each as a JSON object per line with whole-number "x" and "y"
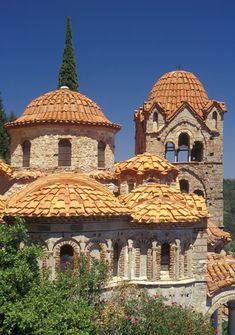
{"x": 130, "y": 261}
{"x": 177, "y": 260}
{"x": 154, "y": 260}
{"x": 231, "y": 317}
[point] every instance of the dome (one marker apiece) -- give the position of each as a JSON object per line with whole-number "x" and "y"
{"x": 176, "y": 87}
{"x": 65, "y": 195}
{"x": 63, "y": 106}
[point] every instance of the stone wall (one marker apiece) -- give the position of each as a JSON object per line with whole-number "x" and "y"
{"x": 44, "y": 146}
{"x": 206, "y": 175}
{"x": 139, "y": 256}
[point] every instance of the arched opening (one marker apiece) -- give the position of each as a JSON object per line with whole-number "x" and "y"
{"x": 155, "y": 121}
{"x": 215, "y": 120}
{"x": 184, "y": 186}
{"x": 95, "y": 253}
{"x": 64, "y": 153}
{"x": 26, "y": 148}
{"x": 199, "y": 192}
{"x": 197, "y": 152}
{"x": 116, "y": 257}
{"x": 183, "y": 148}
{"x": 170, "y": 152}
{"x": 101, "y": 155}
{"x": 66, "y": 257}
{"x": 131, "y": 185}
{"x": 143, "y": 260}
{"x": 165, "y": 257}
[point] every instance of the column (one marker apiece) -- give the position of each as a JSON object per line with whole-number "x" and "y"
{"x": 130, "y": 249}
{"x": 154, "y": 260}
{"x": 231, "y": 317}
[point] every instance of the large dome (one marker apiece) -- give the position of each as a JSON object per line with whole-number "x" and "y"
{"x": 63, "y": 106}
{"x": 175, "y": 88}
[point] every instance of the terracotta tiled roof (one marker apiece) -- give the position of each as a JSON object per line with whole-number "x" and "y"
{"x": 5, "y": 169}
{"x": 220, "y": 272}
{"x": 2, "y": 206}
{"x": 142, "y": 163}
{"x": 101, "y": 175}
{"x": 64, "y": 195}
{"x": 63, "y": 106}
{"x": 26, "y": 174}
{"x": 216, "y": 234}
{"x": 177, "y": 87}
{"x": 157, "y": 203}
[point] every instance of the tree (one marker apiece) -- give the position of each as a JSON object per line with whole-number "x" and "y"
{"x": 68, "y": 73}
{"x": 4, "y": 136}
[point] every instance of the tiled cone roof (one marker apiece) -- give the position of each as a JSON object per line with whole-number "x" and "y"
{"x": 63, "y": 106}
{"x": 176, "y": 87}
{"x": 145, "y": 162}
{"x": 220, "y": 272}
{"x": 64, "y": 195}
{"x": 158, "y": 203}
{"x": 216, "y": 234}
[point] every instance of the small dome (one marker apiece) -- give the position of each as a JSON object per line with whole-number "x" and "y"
{"x": 175, "y": 88}
{"x": 65, "y": 195}
{"x": 63, "y": 106}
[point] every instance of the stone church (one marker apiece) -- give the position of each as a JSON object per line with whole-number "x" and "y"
{"x": 156, "y": 218}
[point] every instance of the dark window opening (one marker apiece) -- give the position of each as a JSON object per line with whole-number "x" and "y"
{"x": 199, "y": 192}
{"x": 66, "y": 257}
{"x": 131, "y": 185}
{"x": 215, "y": 119}
{"x": 26, "y": 147}
{"x": 155, "y": 121}
{"x": 116, "y": 256}
{"x": 101, "y": 155}
{"x": 64, "y": 154}
{"x": 183, "y": 148}
{"x": 197, "y": 152}
{"x": 184, "y": 186}
{"x": 165, "y": 256}
{"x": 170, "y": 152}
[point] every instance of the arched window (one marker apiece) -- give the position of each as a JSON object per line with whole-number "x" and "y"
{"x": 215, "y": 119}
{"x": 170, "y": 152}
{"x": 143, "y": 260}
{"x": 64, "y": 153}
{"x": 199, "y": 192}
{"x": 155, "y": 121}
{"x": 131, "y": 185}
{"x": 66, "y": 257}
{"x": 116, "y": 257}
{"x": 95, "y": 252}
{"x": 101, "y": 155}
{"x": 184, "y": 186}
{"x": 183, "y": 145}
{"x": 197, "y": 152}
{"x": 26, "y": 146}
{"x": 165, "y": 256}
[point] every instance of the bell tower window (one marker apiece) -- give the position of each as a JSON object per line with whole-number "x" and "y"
{"x": 170, "y": 152}
{"x": 101, "y": 155}
{"x": 183, "y": 151}
{"x": 64, "y": 153}
{"x": 184, "y": 186}
{"x": 26, "y": 148}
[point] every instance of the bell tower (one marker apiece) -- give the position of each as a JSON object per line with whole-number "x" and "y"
{"x": 180, "y": 123}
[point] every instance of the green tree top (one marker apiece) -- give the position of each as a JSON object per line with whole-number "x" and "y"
{"x": 68, "y": 72}
{"x": 4, "y": 136}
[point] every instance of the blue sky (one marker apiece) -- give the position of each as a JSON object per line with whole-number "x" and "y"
{"x": 122, "y": 48}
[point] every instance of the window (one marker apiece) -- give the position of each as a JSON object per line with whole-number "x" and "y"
{"x": 199, "y": 192}
{"x": 155, "y": 121}
{"x": 197, "y": 152}
{"x": 215, "y": 120}
{"x": 66, "y": 257}
{"x": 170, "y": 152}
{"x": 64, "y": 153}
{"x": 143, "y": 261}
{"x": 116, "y": 256}
{"x": 165, "y": 256}
{"x": 95, "y": 253}
{"x": 184, "y": 186}
{"x": 131, "y": 185}
{"x": 101, "y": 155}
{"x": 183, "y": 151}
{"x": 26, "y": 146}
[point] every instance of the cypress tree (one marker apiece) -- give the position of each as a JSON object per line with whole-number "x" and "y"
{"x": 68, "y": 72}
{"x": 4, "y": 136}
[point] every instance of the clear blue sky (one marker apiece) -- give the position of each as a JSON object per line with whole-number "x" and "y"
{"x": 122, "y": 47}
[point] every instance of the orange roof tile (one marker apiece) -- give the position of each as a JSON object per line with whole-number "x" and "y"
{"x": 216, "y": 234}
{"x": 145, "y": 162}
{"x": 5, "y": 168}
{"x": 177, "y": 87}
{"x": 64, "y": 195}
{"x": 156, "y": 203}
{"x": 101, "y": 175}
{"x": 2, "y": 206}
{"x": 220, "y": 272}
{"x": 63, "y": 106}
{"x": 27, "y": 174}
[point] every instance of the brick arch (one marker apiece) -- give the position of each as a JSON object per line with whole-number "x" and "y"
{"x": 45, "y": 249}
{"x": 221, "y": 299}
{"x": 120, "y": 263}
{"x": 193, "y": 179}
{"x": 96, "y": 243}
{"x": 57, "y": 247}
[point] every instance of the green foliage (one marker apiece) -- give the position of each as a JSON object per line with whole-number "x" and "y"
{"x": 4, "y": 136}
{"x": 229, "y": 211}
{"x": 68, "y": 73}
